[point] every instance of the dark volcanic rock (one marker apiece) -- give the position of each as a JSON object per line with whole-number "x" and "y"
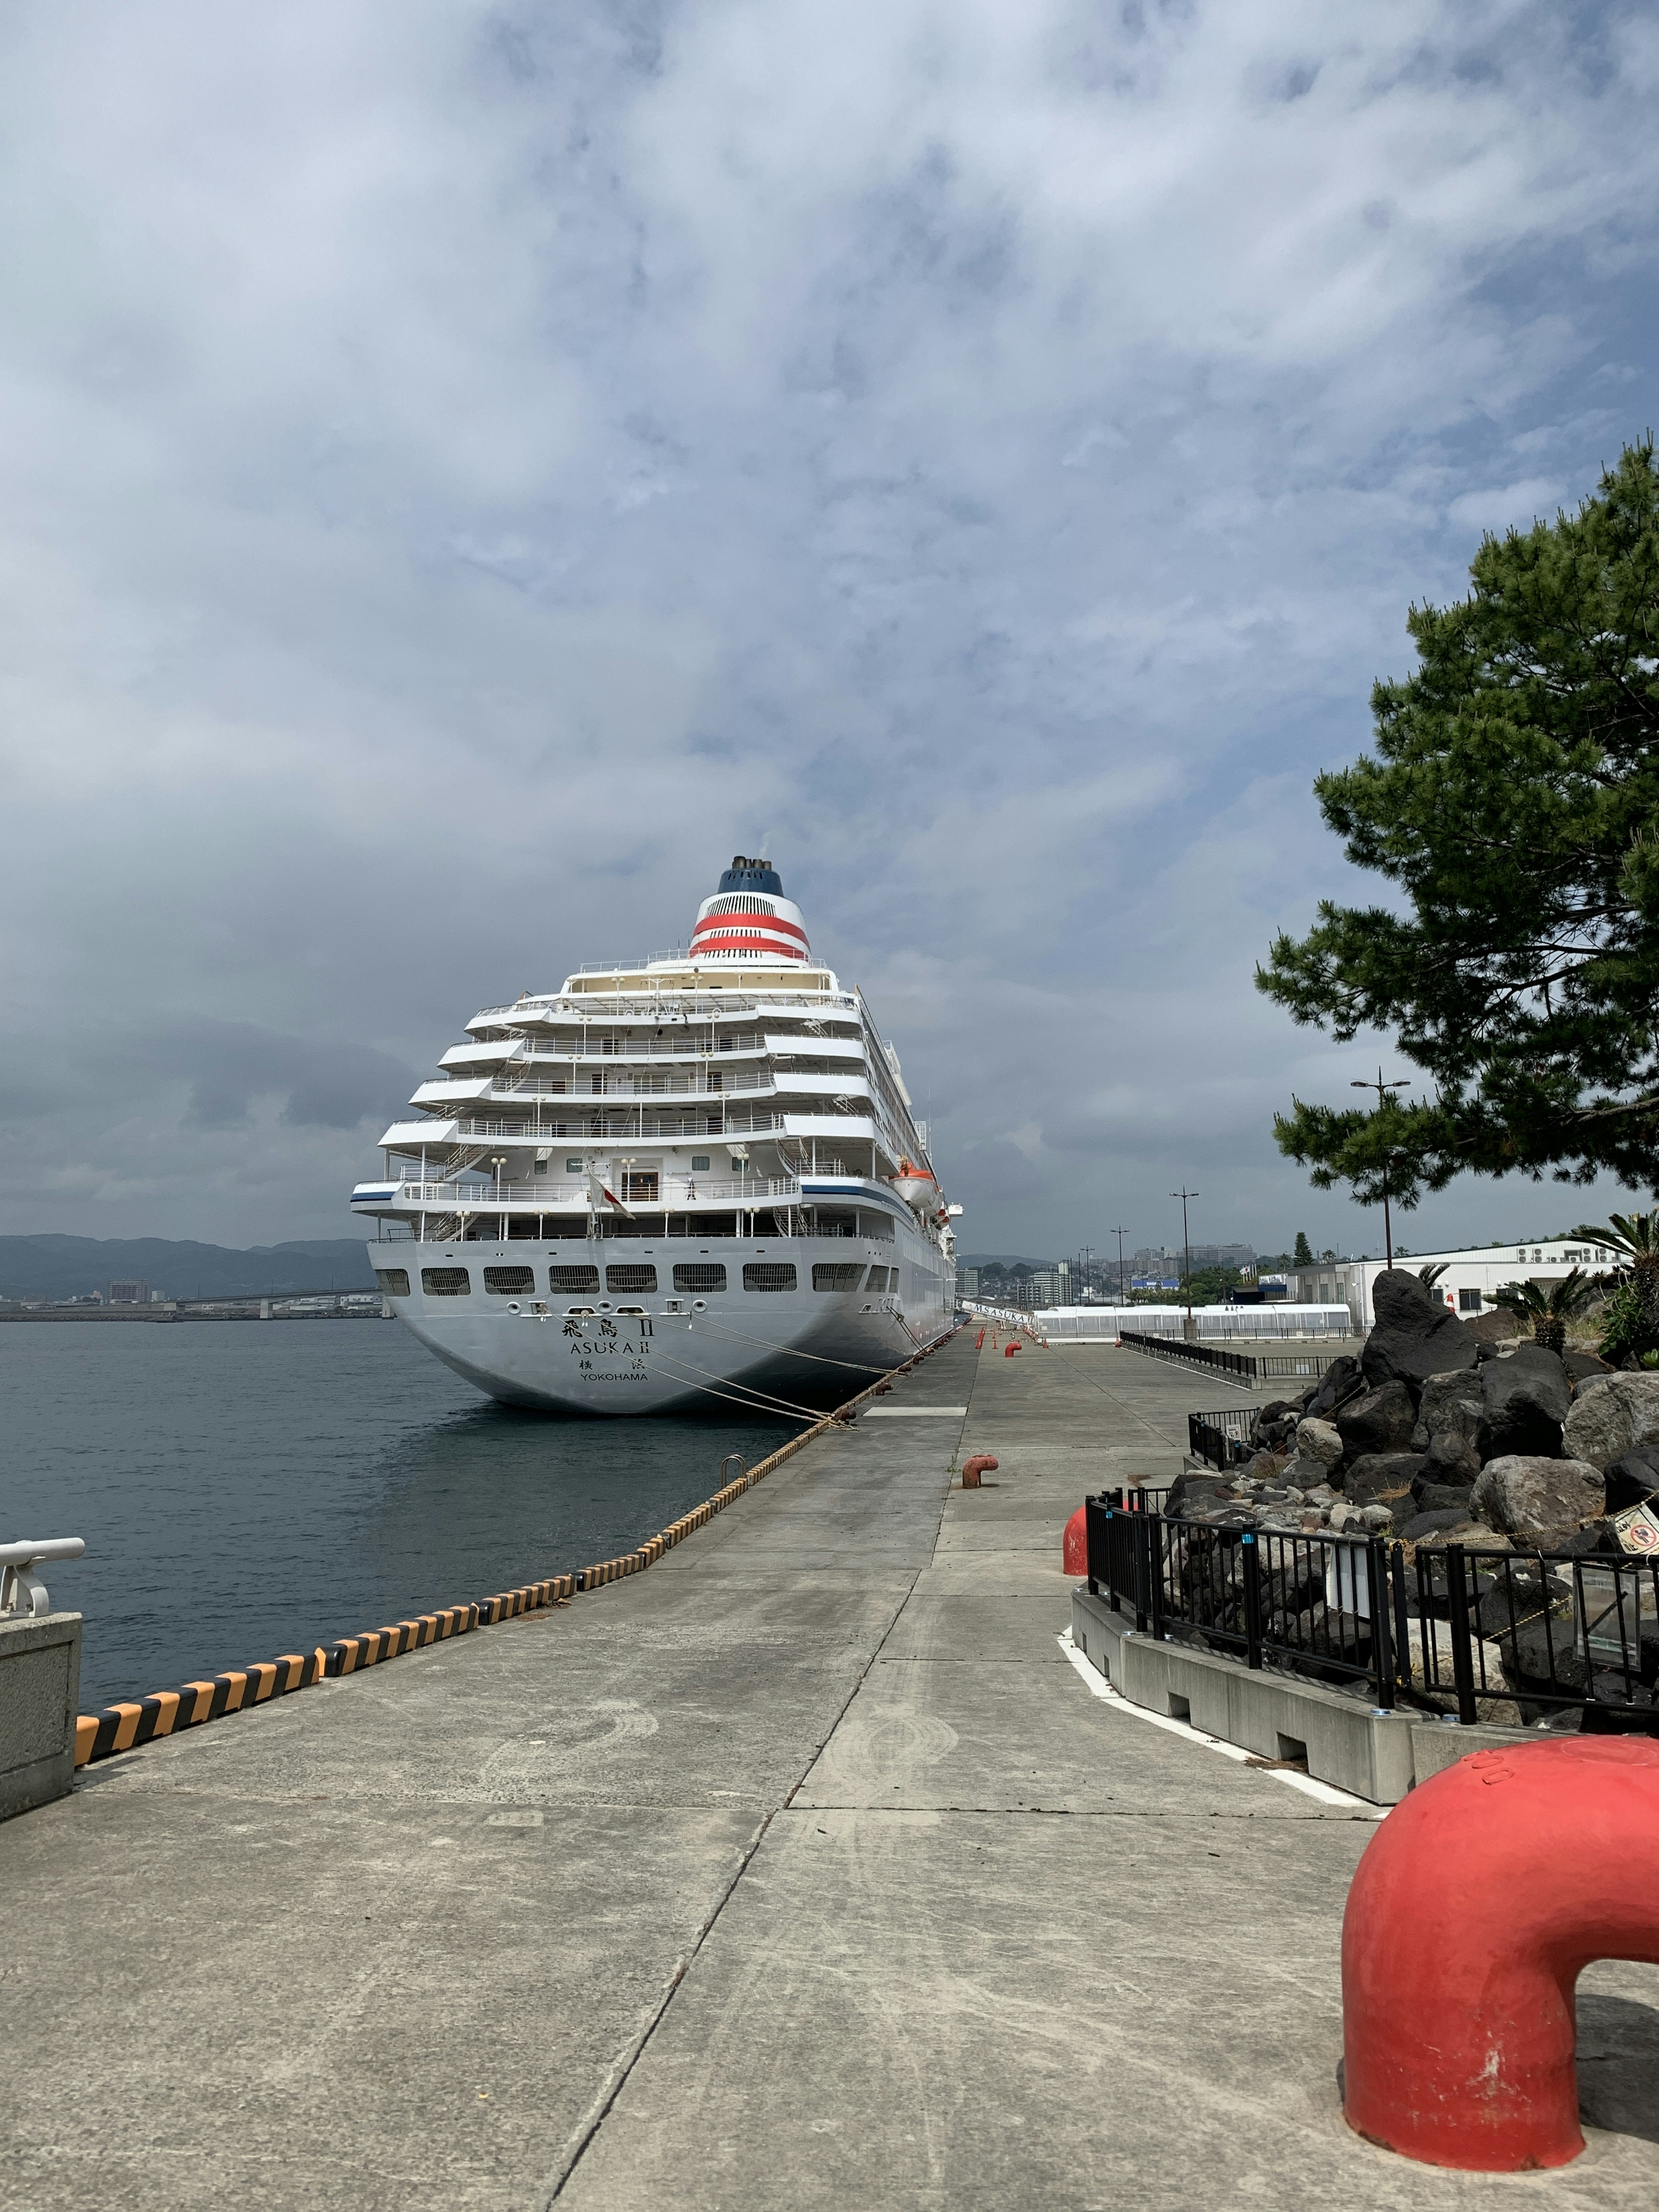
{"x": 1413, "y": 1336}
{"x": 1190, "y": 1490}
{"x": 1380, "y": 1421}
{"x": 1632, "y": 1481}
{"x": 1525, "y": 1401}
{"x": 1580, "y": 1365}
{"x": 1452, "y": 1458}
{"x": 1337, "y": 1381}
{"x": 1450, "y": 1405}
{"x": 1383, "y": 1478}
{"x": 1593, "y": 1536}
{"x": 1424, "y": 1524}
{"x": 1442, "y": 1497}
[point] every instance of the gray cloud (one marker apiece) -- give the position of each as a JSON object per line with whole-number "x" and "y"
{"x": 472, "y": 468}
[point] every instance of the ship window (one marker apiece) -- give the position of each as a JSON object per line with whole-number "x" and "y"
{"x": 877, "y": 1225}
{"x": 393, "y": 1281}
{"x": 831, "y": 1275}
{"x": 446, "y": 1282}
{"x": 509, "y": 1282}
{"x": 878, "y": 1278}
{"x": 573, "y": 1167}
{"x": 700, "y": 1162}
{"x": 572, "y": 1278}
{"x": 541, "y": 1167}
{"x": 769, "y": 1275}
{"x": 688, "y": 1276}
{"x": 630, "y": 1278}
{"x": 640, "y": 1184}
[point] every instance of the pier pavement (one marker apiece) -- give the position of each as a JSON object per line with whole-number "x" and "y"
{"x": 805, "y": 1869}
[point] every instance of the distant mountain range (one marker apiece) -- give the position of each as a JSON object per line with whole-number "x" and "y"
{"x": 68, "y": 1266}
{"x": 999, "y": 1259}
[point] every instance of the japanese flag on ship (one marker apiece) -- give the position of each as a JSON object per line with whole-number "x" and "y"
{"x": 604, "y": 1200}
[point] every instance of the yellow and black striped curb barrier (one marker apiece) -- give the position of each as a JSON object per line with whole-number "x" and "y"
{"x": 125, "y": 1726}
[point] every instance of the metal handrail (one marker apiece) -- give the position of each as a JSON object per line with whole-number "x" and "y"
{"x": 21, "y": 1590}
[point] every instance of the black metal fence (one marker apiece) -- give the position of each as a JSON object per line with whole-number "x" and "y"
{"x": 1222, "y": 1438}
{"x": 1293, "y": 1367}
{"x": 1236, "y": 1366}
{"x": 1507, "y": 1636}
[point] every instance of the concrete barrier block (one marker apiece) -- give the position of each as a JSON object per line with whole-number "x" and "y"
{"x": 1438, "y": 1744}
{"x": 40, "y": 1691}
{"x": 1345, "y": 1742}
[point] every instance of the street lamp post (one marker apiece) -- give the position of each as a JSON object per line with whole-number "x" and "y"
{"x": 1122, "y": 1296}
{"x": 498, "y": 1161}
{"x": 1190, "y": 1332}
{"x": 1382, "y": 1090}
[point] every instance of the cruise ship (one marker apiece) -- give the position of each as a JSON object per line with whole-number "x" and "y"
{"x": 694, "y": 1179}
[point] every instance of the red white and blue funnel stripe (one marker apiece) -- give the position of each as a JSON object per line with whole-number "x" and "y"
{"x": 749, "y": 920}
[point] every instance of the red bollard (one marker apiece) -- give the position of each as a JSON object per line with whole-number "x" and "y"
{"x": 1010, "y": 1350}
{"x": 1074, "y": 1547}
{"x": 978, "y": 1341}
{"x": 1477, "y": 1903}
{"x": 982, "y": 1463}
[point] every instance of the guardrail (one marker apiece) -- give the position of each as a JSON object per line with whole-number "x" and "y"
{"x": 22, "y": 1590}
{"x": 1222, "y": 1439}
{"x": 1234, "y": 1366}
{"x": 1521, "y": 1637}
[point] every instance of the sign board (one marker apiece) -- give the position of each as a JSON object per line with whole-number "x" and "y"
{"x": 1638, "y": 1530}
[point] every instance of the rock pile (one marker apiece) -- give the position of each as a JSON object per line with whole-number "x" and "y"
{"x": 1433, "y": 1436}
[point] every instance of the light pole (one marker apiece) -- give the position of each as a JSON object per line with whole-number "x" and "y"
{"x": 1183, "y": 1194}
{"x": 1382, "y": 1090}
{"x": 498, "y": 1161}
{"x": 1123, "y": 1296}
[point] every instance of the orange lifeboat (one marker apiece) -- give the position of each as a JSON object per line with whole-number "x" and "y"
{"x": 916, "y": 1187}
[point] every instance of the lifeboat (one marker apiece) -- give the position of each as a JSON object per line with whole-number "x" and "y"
{"x": 916, "y": 1187}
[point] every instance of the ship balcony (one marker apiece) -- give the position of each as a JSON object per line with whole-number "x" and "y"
{"x": 481, "y": 1055}
{"x": 853, "y": 1128}
{"x": 800, "y": 1046}
{"x": 847, "y": 1085}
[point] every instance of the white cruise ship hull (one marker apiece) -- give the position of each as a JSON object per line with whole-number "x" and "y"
{"x": 772, "y": 1350}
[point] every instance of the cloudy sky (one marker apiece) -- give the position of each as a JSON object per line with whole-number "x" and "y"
{"x": 469, "y": 468}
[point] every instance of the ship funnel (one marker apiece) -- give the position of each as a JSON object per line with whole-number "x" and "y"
{"x": 748, "y": 920}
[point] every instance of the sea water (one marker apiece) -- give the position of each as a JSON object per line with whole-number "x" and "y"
{"x": 249, "y": 1488}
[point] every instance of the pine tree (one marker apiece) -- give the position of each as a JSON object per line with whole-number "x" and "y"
{"x": 1513, "y": 802}
{"x": 1304, "y": 1257}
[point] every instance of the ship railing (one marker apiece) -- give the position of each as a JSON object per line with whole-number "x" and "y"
{"x": 660, "y": 1124}
{"x": 698, "y": 1003}
{"x": 549, "y": 1197}
{"x": 693, "y": 1083}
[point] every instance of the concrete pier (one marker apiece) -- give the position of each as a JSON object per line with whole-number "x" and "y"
{"x": 806, "y": 1869}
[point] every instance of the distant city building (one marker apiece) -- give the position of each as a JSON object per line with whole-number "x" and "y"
{"x": 134, "y": 1293}
{"x": 968, "y": 1282}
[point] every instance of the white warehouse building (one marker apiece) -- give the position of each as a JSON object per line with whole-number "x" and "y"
{"x": 1468, "y": 1282}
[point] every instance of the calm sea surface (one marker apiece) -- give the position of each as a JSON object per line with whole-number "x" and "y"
{"x": 248, "y": 1488}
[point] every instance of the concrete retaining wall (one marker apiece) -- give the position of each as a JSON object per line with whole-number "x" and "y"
{"x": 1372, "y": 1754}
{"x": 40, "y": 1690}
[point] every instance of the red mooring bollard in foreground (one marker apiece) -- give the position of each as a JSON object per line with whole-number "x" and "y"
{"x": 1010, "y": 1350}
{"x": 1478, "y": 1902}
{"x": 1074, "y": 1546}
